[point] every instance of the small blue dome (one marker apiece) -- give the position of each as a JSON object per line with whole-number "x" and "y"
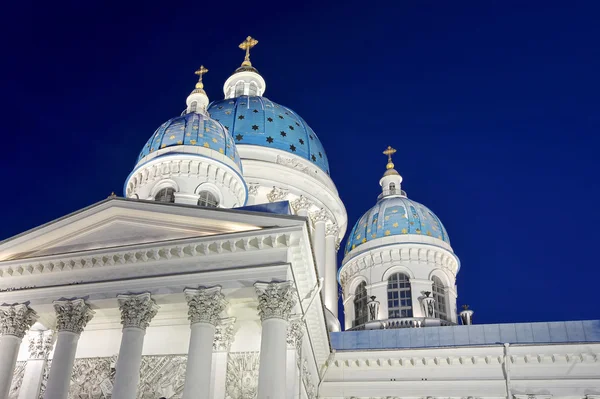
{"x": 258, "y": 121}
{"x": 194, "y": 130}
{"x": 395, "y": 216}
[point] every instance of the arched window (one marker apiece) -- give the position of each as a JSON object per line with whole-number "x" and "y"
{"x": 239, "y": 89}
{"x": 439, "y": 294}
{"x": 165, "y": 195}
{"x": 361, "y": 312}
{"x": 193, "y": 106}
{"x": 399, "y": 296}
{"x": 253, "y": 89}
{"x": 208, "y": 199}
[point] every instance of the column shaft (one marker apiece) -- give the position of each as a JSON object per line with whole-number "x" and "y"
{"x": 331, "y": 291}
{"x": 128, "y": 363}
{"x": 273, "y": 349}
{"x": 62, "y": 365}
{"x": 319, "y": 247}
{"x": 199, "y": 362}
{"x": 9, "y": 350}
{"x": 32, "y": 379}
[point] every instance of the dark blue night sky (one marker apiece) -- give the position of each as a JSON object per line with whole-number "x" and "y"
{"x": 492, "y": 105}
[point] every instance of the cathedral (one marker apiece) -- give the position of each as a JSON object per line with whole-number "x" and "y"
{"x": 215, "y": 276}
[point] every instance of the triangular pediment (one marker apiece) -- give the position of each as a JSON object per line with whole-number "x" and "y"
{"x": 120, "y": 222}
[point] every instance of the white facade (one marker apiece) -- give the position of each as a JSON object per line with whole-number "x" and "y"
{"x": 142, "y": 297}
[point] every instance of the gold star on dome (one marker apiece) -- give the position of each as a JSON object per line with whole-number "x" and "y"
{"x": 404, "y": 231}
{"x": 395, "y": 224}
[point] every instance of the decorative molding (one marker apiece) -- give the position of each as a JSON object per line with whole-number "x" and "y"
{"x": 253, "y": 189}
{"x": 205, "y": 304}
{"x": 294, "y": 164}
{"x": 311, "y": 392}
{"x": 320, "y": 216}
{"x": 242, "y": 375}
{"x": 224, "y": 335}
{"x": 532, "y": 396}
{"x": 72, "y": 315}
{"x": 393, "y": 255}
{"x": 207, "y": 246}
{"x": 40, "y": 344}
{"x": 275, "y": 299}
{"x": 332, "y": 229}
{"x": 294, "y": 334}
{"x": 162, "y": 376}
{"x": 17, "y": 380}
{"x": 277, "y": 194}
{"x": 301, "y": 203}
{"x": 16, "y": 319}
{"x": 137, "y": 310}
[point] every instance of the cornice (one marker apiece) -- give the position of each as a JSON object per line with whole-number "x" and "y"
{"x": 375, "y": 360}
{"x": 401, "y": 252}
{"x": 254, "y": 240}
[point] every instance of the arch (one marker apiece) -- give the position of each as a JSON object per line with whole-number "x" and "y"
{"x": 361, "y": 310}
{"x": 439, "y": 273}
{"x": 253, "y": 89}
{"x": 397, "y": 269}
{"x": 399, "y": 296}
{"x": 355, "y": 282}
{"x": 164, "y": 183}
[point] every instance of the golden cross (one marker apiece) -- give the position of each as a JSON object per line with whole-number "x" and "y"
{"x": 247, "y": 45}
{"x": 200, "y": 72}
{"x": 389, "y": 152}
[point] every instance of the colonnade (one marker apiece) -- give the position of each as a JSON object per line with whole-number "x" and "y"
{"x": 205, "y": 307}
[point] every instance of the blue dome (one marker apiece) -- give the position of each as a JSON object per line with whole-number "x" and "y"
{"x": 258, "y": 121}
{"x": 395, "y": 216}
{"x": 194, "y": 130}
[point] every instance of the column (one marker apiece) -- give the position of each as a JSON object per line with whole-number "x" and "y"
{"x": 137, "y": 310}
{"x": 224, "y": 337}
{"x": 275, "y": 303}
{"x": 72, "y": 315}
{"x": 319, "y": 218}
{"x": 294, "y": 353}
{"x": 205, "y": 307}
{"x": 15, "y": 320}
{"x": 301, "y": 206}
{"x": 40, "y": 345}
{"x": 332, "y": 232}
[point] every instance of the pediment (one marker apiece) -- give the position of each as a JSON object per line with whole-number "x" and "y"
{"x": 119, "y": 222}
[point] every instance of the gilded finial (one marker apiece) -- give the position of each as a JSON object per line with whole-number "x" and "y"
{"x": 247, "y": 45}
{"x": 389, "y": 152}
{"x": 200, "y": 72}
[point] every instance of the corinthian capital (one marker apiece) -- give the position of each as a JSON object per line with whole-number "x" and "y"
{"x": 205, "y": 304}
{"x": 72, "y": 315}
{"x": 16, "y": 319}
{"x": 319, "y": 216}
{"x": 301, "y": 203}
{"x": 332, "y": 229}
{"x": 40, "y": 344}
{"x": 277, "y": 194}
{"x": 137, "y": 310}
{"x": 224, "y": 335}
{"x": 275, "y": 299}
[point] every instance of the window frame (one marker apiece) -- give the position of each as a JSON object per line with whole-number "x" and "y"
{"x": 399, "y": 296}
{"x": 440, "y": 295}
{"x": 361, "y": 310}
